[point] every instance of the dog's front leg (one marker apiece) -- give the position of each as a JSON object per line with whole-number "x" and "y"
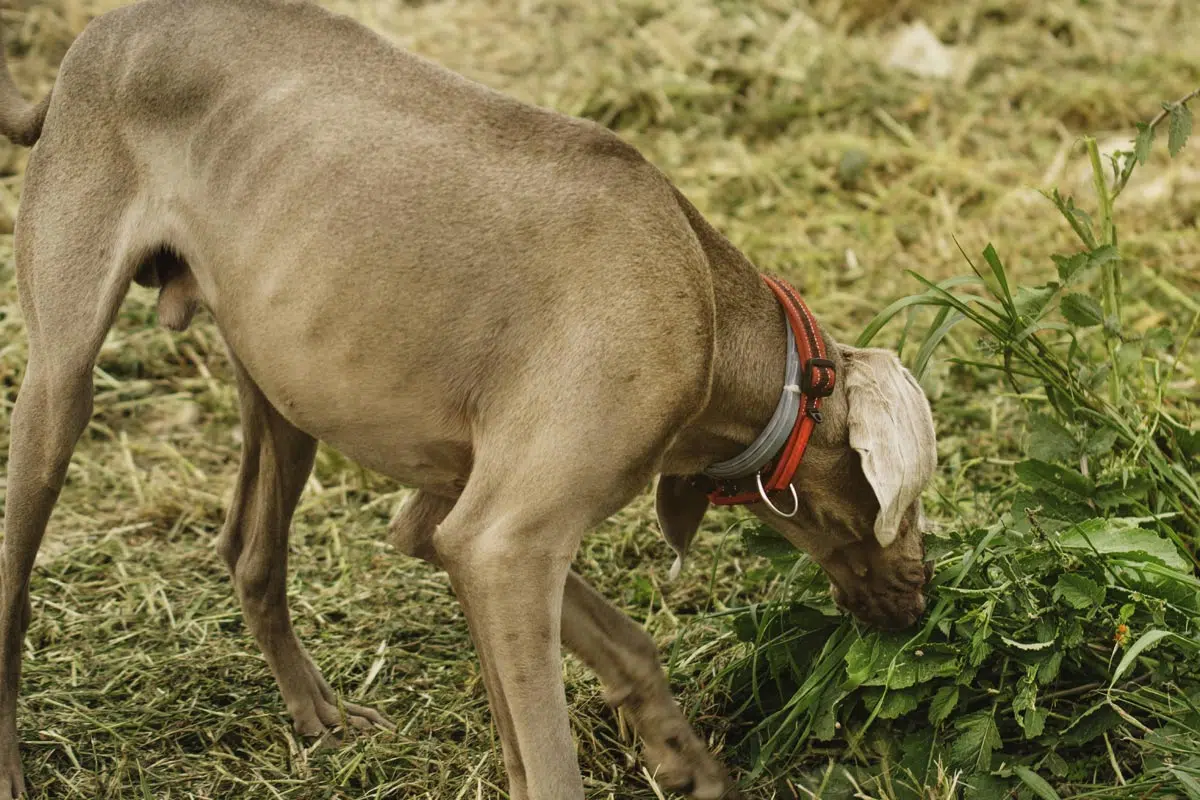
{"x": 507, "y": 556}
{"x": 276, "y": 461}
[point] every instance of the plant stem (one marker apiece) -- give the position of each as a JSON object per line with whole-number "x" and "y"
{"x": 1112, "y": 303}
{"x": 1123, "y": 178}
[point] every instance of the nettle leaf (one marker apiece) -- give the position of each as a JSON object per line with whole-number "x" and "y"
{"x": 1122, "y": 493}
{"x": 1143, "y": 143}
{"x": 1079, "y": 219}
{"x": 1122, "y": 536}
{"x": 936, "y": 664}
{"x": 1079, "y": 591}
{"x": 1070, "y": 266}
{"x": 1097, "y": 720}
{"x": 986, "y": 787}
{"x": 1128, "y": 356}
{"x": 1028, "y": 646}
{"x": 898, "y": 703}
{"x": 1032, "y": 301}
{"x": 1179, "y": 128}
{"x": 1049, "y": 440}
{"x": 1048, "y": 507}
{"x": 1057, "y": 765}
{"x": 1061, "y": 482}
{"x": 1047, "y": 670}
{"x": 978, "y": 737}
{"x": 1081, "y": 310}
{"x": 825, "y": 718}
{"x": 1157, "y": 339}
{"x": 1101, "y": 442}
{"x": 1102, "y": 255}
{"x": 763, "y": 541}
{"x": 943, "y": 704}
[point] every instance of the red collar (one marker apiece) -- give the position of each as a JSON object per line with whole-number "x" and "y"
{"x": 817, "y": 380}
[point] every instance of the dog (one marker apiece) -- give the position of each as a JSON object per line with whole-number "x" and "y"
{"x": 506, "y": 308}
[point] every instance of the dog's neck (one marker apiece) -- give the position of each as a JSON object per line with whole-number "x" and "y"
{"x": 748, "y": 367}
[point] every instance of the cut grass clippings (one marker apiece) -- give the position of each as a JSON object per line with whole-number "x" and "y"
{"x": 779, "y": 121}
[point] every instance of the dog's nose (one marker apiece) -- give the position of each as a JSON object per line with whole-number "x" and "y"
{"x": 889, "y": 613}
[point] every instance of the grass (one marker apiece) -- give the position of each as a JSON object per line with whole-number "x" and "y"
{"x": 140, "y": 680}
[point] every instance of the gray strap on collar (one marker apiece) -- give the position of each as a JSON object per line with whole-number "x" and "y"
{"x": 776, "y": 434}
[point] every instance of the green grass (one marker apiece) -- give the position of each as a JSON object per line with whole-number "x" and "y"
{"x": 140, "y": 680}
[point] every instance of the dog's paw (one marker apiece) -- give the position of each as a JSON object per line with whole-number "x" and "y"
{"x": 12, "y": 783}
{"x": 682, "y": 763}
{"x": 322, "y": 716}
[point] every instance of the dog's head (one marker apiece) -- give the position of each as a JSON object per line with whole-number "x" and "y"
{"x": 859, "y": 488}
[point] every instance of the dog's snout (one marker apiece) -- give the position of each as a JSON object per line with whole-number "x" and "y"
{"x": 886, "y": 610}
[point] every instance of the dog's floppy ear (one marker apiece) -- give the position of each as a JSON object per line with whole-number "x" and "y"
{"x": 891, "y": 427}
{"x": 680, "y": 505}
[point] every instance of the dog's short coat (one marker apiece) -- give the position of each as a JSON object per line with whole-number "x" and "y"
{"x": 505, "y": 307}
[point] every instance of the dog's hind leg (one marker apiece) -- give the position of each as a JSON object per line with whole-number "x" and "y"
{"x": 625, "y": 659}
{"x": 71, "y": 278}
{"x": 276, "y": 460}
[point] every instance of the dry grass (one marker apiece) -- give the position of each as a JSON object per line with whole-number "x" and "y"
{"x": 140, "y": 679}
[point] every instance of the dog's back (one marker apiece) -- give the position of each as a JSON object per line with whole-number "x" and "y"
{"x": 340, "y": 204}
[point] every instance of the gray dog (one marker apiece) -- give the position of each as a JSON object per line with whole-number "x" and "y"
{"x": 505, "y": 307}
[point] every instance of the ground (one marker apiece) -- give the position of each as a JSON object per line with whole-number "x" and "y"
{"x": 783, "y": 124}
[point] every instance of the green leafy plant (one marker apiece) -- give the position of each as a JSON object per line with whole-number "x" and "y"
{"x": 1061, "y": 655}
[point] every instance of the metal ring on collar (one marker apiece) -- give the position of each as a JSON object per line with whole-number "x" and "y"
{"x": 763, "y": 494}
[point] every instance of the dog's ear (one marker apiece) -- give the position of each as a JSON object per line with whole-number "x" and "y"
{"x": 891, "y": 427}
{"x": 680, "y": 504}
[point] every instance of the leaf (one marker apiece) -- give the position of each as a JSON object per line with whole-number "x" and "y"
{"x": 1101, "y": 442}
{"x": 1081, "y": 310}
{"x": 860, "y": 661}
{"x": 993, "y": 261}
{"x": 1122, "y": 493}
{"x": 769, "y": 545}
{"x": 1079, "y": 591}
{"x": 1035, "y": 722}
{"x": 1081, "y": 223}
{"x": 1146, "y": 640}
{"x": 1190, "y": 784}
{"x": 936, "y": 665}
{"x": 1097, "y": 720}
{"x": 1061, "y": 482}
{"x": 1030, "y": 646}
{"x": 1102, "y": 255}
{"x": 1069, "y": 267}
{"x": 897, "y": 704}
{"x": 1031, "y": 718}
{"x": 943, "y": 704}
{"x": 1121, "y": 535}
{"x": 1048, "y": 669}
{"x": 978, "y": 737}
{"x": 1049, "y": 440}
{"x": 1037, "y": 783}
{"x": 1158, "y": 338}
{"x": 1050, "y": 508}
{"x": 1032, "y": 301}
{"x": 1143, "y": 143}
{"x": 986, "y": 787}
{"x": 1179, "y": 128}
{"x": 825, "y": 718}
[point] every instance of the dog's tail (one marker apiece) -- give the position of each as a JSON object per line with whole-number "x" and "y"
{"x": 20, "y": 120}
